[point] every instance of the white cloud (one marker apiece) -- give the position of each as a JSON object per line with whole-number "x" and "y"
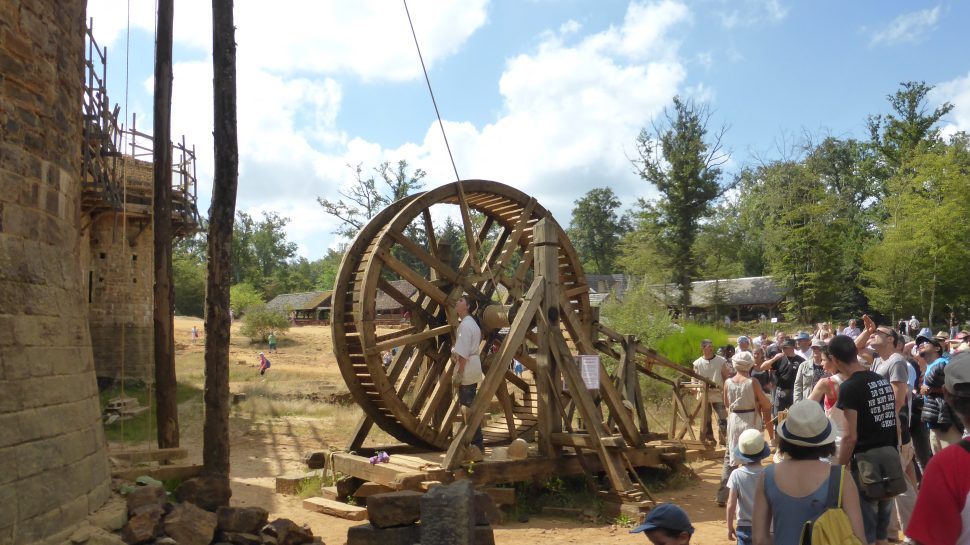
{"x": 957, "y": 92}
{"x": 912, "y": 27}
{"x": 748, "y": 13}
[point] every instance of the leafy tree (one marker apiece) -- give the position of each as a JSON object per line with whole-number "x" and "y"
{"x": 596, "y": 229}
{"x": 259, "y": 322}
{"x": 897, "y": 135}
{"x": 188, "y": 274}
{"x": 242, "y": 297}
{"x": 366, "y": 196}
{"x": 642, "y": 254}
{"x": 259, "y": 248}
{"x": 685, "y": 168}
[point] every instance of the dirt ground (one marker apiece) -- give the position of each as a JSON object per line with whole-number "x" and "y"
{"x": 281, "y": 420}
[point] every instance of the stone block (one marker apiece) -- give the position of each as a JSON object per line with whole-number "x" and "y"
{"x": 286, "y": 532}
{"x": 335, "y": 508}
{"x": 104, "y": 537}
{"x": 447, "y": 514}
{"x": 208, "y": 491}
{"x": 289, "y": 484}
{"x": 316, "y": 460}
{"x": 485, "y": 510}
{"x": 144, "y": 526}
{"x": 241, "y": 519}
{"x": 501, "y": 496}
{"x": 240, "y": 538}
{"x": 484, "y": 535}
{"x": 394, "y": 508}
{"x": 142, "y": 496}
{"x": 190, "y": 525}
{"x": 112, "y": 516}
{"x": 368, "y": 534}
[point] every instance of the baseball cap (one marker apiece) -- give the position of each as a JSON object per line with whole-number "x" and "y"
{"x": 803, "y": 337}
{"x": 665, "y": 516}
{"x": 924, "y": 334}
{"x": 957, "y": 371}
{"x": 743, "y": 338}
{"x": 818, "y": 343}
{"x": 788, "y": 343}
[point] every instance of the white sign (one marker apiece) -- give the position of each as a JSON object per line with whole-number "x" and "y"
{"x": 589, "y": 369}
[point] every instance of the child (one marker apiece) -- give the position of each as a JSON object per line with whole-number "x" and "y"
{"x": 666, "y": 524}
{"x": 743, "y": 483}
{"x": 272, "y": 342}
{"x": 263, "y": 364}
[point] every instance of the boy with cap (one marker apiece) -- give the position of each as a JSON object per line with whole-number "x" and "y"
{"x": 743, "y": 483}
{"x": 666, "y": 524}
{"x": 942, "y": 514}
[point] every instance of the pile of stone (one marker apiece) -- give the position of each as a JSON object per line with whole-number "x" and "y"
{"x": 445, "y": 515}
{"x": 147, "y": 517}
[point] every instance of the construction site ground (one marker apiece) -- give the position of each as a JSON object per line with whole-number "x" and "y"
{"x": 301, "y": 405}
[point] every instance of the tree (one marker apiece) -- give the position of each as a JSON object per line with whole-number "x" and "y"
{"x": 897, "y": 135}
{"x": 685, "y": 169}
{"x": 596, "y": 229}
{"x": 260, "y": 321}
{"x": 242, "y": 297}
{"x": 259, "y": 248}
{"x": 366, "y": 197}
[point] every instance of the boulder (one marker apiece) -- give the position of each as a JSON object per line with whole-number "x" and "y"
{"x": 368, "y": 534}
{"x": 485, "y": 510}
{"x": 448, "y": 515}
{"x": 288, "y": 532}
{"x": 112, "y": 515}
{"x": 518, "y": 450}
{"x": 207, "y": 491}
{"x": 103, "y": 537}
{"x": 145, "y": 496}
{"x": 241, "y": 519}
{"x": 394, "y": 508}
{"x": 144, "y": 526}
{"x": 189, "y": 524}
{"x": 241, "y": 538}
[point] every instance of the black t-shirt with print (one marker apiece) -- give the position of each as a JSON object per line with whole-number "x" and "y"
{"x": 871, "y": 396}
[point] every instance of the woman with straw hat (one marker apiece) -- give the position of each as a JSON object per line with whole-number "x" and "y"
{"x": 748, "y": 408}
{"x": 796, "y": 489}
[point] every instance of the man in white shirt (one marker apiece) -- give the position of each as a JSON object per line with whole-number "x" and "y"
{"x": 468, "y": 364}
{"x": 713, "y": 368}
{"x": 852, "y": 330}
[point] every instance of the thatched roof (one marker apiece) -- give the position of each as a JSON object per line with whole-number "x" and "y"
{"x": 308, "y": 300}
{"x": 753, "y": 290}
{"x": 385, "y": 302}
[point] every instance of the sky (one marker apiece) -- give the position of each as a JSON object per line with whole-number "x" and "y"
{"x": 544, "y": 95}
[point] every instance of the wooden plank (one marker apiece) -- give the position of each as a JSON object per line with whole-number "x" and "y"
{"x": 583, "y": 440}
{"x": 150, "y": 455}
{"x": 369, "y": 489}
{"x": 409, "y": 274}
{"x": 546, "y": 250}
{"x": 390, "y": 475}
{"x": 163, "y": 473}
{"x": 495, "y": 376}
{"x": 409, "y": 339}
{"x": 335, "y": 508}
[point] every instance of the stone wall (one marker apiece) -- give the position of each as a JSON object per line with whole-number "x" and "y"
{"x": 116, "y": 264}
{"x": 52, "y": 444}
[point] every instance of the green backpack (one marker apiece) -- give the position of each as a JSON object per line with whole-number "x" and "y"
{"x": 832, "y": 527}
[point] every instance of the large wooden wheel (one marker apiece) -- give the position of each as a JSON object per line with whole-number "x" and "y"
{"x": 397, "y": 257}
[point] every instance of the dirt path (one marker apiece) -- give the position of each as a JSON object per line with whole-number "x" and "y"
{"x": 271, "y": 438}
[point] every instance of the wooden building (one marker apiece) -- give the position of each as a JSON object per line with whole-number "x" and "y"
{"x": 305, "y": 308}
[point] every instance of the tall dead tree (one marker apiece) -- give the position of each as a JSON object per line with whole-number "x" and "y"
{"x": 163, "y": 314}
{"x": 215, "y": 457}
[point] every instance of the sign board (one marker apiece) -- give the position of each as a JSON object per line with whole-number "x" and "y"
{"x": 589, "y": 369}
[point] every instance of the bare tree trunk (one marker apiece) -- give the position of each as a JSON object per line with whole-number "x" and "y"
{"x": 215, "y": 456}
{"x": 164, "y": 326}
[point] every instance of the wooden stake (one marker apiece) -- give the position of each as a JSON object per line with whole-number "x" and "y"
{"x": 546, "y": 250}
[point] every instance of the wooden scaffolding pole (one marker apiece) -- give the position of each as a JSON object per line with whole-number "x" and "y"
{"x": 164, "y": 308}
{"x": 215, "y": 458}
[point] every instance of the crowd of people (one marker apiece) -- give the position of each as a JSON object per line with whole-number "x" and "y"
{"x": 867, "y": 422}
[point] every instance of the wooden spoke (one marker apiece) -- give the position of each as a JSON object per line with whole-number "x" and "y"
{"x": 412, "y": 338}
{"x": 413, "y": 277}
{"x": 429, "y": 231}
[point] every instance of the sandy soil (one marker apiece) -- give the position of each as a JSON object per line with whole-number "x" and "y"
{"x": 265, "y": 445}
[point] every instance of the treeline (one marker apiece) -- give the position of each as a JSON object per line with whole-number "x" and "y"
{"x": 879, "y": 225}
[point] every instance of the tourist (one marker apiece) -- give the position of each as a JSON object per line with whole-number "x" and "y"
{"x": 826, "y": 392}
{"x": 272, "y": 342}
{"x": 868, "y": 403}
{"x": 263, "y": 363}
{"x": 744, "y": 344}
{"x": 937, "y": 413}
{"x": 468, "y": 365}
{"x": 751, "y": 448}
{"x": 795, "y": 490}
{"x": 195, "y": 335}
{"x": 852, "y": 330}
{"x": 954, "y": 325}
{"x": 942, "y": 513}
{"x": 912, "y": 326}
{"x": 803, "y": 345}
{"x": 748, "y": 408}
{"x": 714, "y": 368}
{"x": 783, "y": 366}
{"x": 666, "y": 524}
{"x": 809, "y": 372}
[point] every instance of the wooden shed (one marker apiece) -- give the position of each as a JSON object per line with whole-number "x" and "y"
{"x": 306, "y": 308}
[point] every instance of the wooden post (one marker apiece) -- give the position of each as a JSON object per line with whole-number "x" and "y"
{"x": 163, "y": 313}
{"x": 215, "y": 442}
{"x": 546, "y": 252}
{"x": 632, "y": 381}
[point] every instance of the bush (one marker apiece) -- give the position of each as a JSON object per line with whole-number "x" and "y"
{"x": 684, "y": 346}
{"x": 242, "y": 296}
{"x": 640, "y": 313}
{"x": 259, "y": 321}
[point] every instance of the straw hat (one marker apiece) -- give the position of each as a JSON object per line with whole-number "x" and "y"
{"x": 751, "y": 447}
{"x": 743, "y": 360}
{"x": 807, "y": 425}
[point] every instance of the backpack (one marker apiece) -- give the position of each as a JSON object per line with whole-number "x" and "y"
{"x": 832, "y": 527}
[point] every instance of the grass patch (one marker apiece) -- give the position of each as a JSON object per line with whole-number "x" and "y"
{"x": 683, "y": 347}
{"x": 141, "y": 427}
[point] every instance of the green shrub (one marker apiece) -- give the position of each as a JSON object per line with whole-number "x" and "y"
{"x": 243, "y": 296}
{"x": 259, "y": 321}
{"x": 640, "y": 313}
{"x": 684, "y": 346}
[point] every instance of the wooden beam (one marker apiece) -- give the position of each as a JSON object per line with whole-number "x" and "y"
{"x": 409, "y": 339}
{"x": 545, "y": 238}
{"x": 495, "y": 375}
{"x": 409, "y": 274}
{"x": 162, "y": 473}
{"x": 150, "y": 455}
{"x": 583, "y": 440}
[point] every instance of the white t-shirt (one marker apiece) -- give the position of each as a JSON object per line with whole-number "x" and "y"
{"x": 711, "y": 369}
{"x": 744, "y": 482}
{"x": 467, "y": 346}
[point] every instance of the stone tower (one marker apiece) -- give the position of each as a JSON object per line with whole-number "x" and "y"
{"x": 55, "y": 468}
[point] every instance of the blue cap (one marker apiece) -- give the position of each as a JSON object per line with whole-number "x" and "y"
{"x": 803, "y": 337}
{"x": 743, "y": 338}
{"x": 665, "y": 516}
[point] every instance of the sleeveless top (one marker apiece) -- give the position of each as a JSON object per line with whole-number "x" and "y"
{"x": 740, "y": 397}
{"x": 788, "y": 514}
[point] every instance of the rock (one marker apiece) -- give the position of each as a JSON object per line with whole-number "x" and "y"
{"x": 518, "y": 450}
{"x": 208, "y": 492}
{"x": 447, "y": 514}
{"x": 394, "y": 508}
{"x": 165, "y": 541}
{"x": 103, "y": 537}
{"x": 347, "y": 486}
{"x": 82, "y": 533}
{"x": 484, "y": 535}
{"x": 146, "y": 495}
{"x": 144, "y": 526}
{"x": 289, "y": 484}
{"x": 189, "y": 524}
{"x": 368, "y": 534}
{"x": 289, "y": 532}
{"x": 485, "y": 510}
{"x": 241, "y": 519}
{"x": 112, "y": 515}
{"x": 315, "y": 460}
{"x": 241, "y": 538}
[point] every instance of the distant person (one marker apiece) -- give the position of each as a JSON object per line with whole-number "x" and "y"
{"x": 912, "y": 325}
{"x": 852, "y": 330}
{"x": 666, "y": 524}
{"x": 195, "y": 335}
{"x": 714, "y": 368}
{"x": 751, "y": 448}
{"x": 942, "y": 513}
{"x": 468, "y": 364}
{"x": 809, "y": 372}
{"x": 263, "y": 363}
{"x": 272, "y": 342}
{"x": 797, "y": 489}
{"x": 954, "y": 325}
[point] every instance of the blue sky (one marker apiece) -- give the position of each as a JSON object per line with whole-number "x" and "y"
{"x": 544, "y": 95}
